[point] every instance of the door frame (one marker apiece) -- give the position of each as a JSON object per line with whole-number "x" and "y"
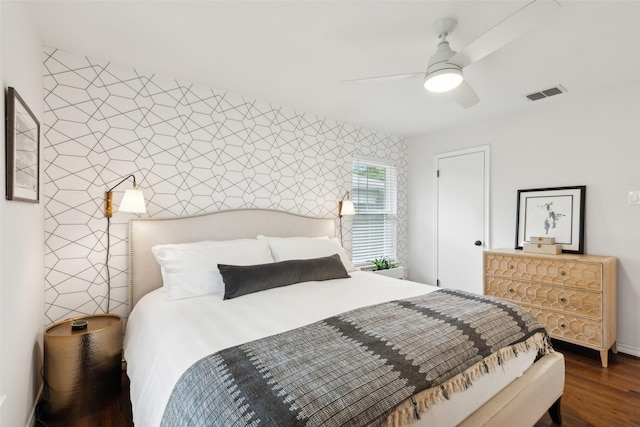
{"x": 486, "y": 149}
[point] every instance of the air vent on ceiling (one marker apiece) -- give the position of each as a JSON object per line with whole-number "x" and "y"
{"x": 546, "y": 93}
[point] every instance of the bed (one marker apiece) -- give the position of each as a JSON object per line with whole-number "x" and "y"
{"x": 165, "y": 338}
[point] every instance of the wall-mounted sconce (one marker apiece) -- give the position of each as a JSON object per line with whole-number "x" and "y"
{"x": 345, "y": 208}
{"x": 132, "y": 201}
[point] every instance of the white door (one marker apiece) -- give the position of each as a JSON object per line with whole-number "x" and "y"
{"x": 462, "y": 230}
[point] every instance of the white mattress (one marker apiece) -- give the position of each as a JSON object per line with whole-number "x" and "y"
{"x": 165, "y": 337}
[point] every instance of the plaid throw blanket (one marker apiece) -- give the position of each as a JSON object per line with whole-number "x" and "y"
{"x": 354, "y": 369}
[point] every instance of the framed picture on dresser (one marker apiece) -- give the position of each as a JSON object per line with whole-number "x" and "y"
{"x": 552, "y": 212}
{"x": 22, "y": 150}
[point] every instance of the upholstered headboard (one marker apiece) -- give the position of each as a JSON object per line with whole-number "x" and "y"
{"x": 144, "y": 271}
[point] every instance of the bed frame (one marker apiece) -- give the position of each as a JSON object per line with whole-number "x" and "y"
{"x": 522, "y": 403}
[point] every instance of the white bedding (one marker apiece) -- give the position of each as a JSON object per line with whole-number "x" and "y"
{"x": 165, "y": 337}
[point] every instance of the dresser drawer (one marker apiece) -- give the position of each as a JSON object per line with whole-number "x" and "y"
{"x": 581, "y": 275}
{"x": 568, "y": 300}
{"x": 570, "y": 328}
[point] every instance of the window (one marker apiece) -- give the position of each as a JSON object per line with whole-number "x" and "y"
{"x": 374, "y": 194}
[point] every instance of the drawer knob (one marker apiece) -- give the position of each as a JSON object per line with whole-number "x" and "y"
{"x": 511, "y": 290}
{"x": 563, "y": 299}
{"x": 563, "y": 273}
{"x": 511, "y": 266}
{"x": 562, "y": 325}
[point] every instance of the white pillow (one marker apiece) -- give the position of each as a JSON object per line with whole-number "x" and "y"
{"x": 191, "y": 269}
{"x": 287, "y": 248}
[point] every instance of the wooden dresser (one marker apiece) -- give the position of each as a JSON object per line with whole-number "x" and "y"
{"x": 573, "y": 296}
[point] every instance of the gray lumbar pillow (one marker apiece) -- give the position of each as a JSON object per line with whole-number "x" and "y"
{"x": 245, "y": 279}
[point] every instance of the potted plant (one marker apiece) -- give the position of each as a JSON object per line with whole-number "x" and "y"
{"x": 387, "y": 268}
{"x": 384, "y": 263}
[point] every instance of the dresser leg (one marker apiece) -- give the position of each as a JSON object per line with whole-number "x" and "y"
{"x": 604, "y": 358}
{"x": 614, "y": 347}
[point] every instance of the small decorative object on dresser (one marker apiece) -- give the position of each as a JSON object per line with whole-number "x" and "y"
{"x": 542, "y": 245}
{"x": 574, "y": 296}
{"x": 82, "y": 365}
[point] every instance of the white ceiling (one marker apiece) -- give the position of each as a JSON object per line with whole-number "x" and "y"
{"x": 296, "y": 53}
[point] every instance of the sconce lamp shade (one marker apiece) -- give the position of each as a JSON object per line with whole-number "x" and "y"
{"x": 347, "y": 208}
{"x": 133, "y": 201}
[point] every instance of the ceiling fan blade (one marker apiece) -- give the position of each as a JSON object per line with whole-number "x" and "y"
{"x": 512, "y": 27}
{"x": 465, "y": 95}
{"x": 388, "y": 78}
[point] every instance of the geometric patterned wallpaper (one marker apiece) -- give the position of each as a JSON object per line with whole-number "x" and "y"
{"x": 192, "y": 150}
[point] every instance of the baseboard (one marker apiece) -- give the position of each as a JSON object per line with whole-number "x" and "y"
{"x": 33, "y": 417}
{"x": 628, "y": 349}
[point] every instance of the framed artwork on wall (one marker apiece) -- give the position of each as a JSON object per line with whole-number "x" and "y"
{"x": 552, "y": 212}
{"x": 22, "y": 150}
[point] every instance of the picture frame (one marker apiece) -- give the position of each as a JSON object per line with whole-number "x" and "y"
{"x": 22, "y": 150}
{"x": 552, "y": 212}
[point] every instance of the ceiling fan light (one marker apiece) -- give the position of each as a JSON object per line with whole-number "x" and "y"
{"x": 443, "y": 80}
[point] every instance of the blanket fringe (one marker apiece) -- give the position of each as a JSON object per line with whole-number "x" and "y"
{"x": 405, "y": 413}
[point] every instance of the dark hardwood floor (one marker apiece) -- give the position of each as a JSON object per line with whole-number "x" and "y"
{"x": 593, "y": 396}
{"x": 596, "y": 396}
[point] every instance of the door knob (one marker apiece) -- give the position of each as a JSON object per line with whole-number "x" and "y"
{"x": 477, "y": 243}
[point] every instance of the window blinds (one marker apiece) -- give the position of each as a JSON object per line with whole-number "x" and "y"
{"x": 374, "y": 195}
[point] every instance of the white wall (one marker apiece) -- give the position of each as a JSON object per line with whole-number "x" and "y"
{"x": 21, "y": 236}
{"x": 593, "y": 140}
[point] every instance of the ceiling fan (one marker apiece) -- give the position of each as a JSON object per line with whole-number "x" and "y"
{"x": 444, "y": 72}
